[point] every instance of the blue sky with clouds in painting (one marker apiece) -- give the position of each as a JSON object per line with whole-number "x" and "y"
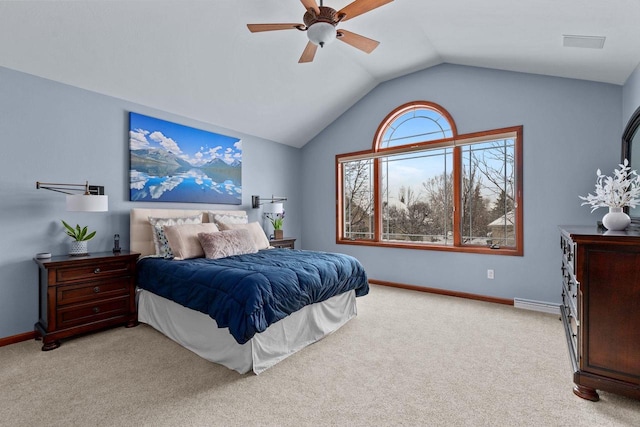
{"x": 196, "y": 146}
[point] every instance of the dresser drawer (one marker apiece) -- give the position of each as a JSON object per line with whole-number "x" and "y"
{"x": 571, "y": 329}
{"x": 81, "y": 314}
{"x": 568, "y": 254}
{"x": 94, "y": 271}
{"x": 93, "y": 291}
{"x": 570, "y": 295}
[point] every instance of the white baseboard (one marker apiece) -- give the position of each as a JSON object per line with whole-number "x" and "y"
{"x": 545, "y": 307}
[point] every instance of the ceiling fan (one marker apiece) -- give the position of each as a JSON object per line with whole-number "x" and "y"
{"x": 320, "y": 24}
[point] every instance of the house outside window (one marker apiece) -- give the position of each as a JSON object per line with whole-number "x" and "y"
{"x": 424, "y": 186}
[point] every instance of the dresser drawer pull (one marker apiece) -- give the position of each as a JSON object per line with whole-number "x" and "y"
{"x": 96, "y": 271}
{"x": 96, "y": 310}
{"x": 96, "y": 289}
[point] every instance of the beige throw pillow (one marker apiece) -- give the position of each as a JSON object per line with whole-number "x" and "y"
{"x": 160, "y": 240}
{"x": 226, "y": 243}
{"x": 257, "y": 234}
{"x": 183, "y": 239}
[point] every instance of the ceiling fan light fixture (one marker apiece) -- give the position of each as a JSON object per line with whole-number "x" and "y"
{"x": 321, "y": 33}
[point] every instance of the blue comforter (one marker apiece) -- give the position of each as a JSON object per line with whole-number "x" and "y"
{"x": 247, "y": 293}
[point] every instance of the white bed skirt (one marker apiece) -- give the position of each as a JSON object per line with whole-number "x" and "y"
{"x": 200, "y": 333}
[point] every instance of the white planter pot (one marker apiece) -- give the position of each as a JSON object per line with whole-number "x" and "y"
{"x": 78, "y": 248}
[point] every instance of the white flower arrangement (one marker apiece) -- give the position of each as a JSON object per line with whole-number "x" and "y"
{"x": 623, "y": 189}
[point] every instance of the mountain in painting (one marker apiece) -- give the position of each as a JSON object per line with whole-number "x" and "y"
{"x": 219, "y": 163}
{"x": 157, "y": 157}
{"x": 222, "y": 168}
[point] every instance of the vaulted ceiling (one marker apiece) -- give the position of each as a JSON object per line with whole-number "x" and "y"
{"x": 197, "y": 58}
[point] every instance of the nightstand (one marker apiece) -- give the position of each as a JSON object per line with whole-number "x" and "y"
{"x": 80, "y": 294}
{"x": 285, "y": 242}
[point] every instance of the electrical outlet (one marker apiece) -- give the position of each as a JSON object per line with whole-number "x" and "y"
{"x": 490, "y": 274}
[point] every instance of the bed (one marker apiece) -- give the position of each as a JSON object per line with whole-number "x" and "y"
{"x": 236, "y": 340}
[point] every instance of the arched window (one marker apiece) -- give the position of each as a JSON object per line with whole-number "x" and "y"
{"x": 423, "y": 186}
{"x": 412, "y": 123}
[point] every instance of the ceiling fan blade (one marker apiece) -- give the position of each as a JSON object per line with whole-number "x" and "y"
{"x": 311, "y": 4}
{"x": 358, "y": 7}
{"x": 356, "y": 40}
{"x": 256, "y": 28}
{"x": 309, "y": 53}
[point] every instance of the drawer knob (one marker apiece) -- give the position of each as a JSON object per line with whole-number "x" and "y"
{"x": 96, "y": 271}
{"x": 96, "y": 310}
{"x": 96, "y": 289}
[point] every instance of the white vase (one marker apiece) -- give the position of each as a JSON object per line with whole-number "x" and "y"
{"x": 616, "y": 220}
{"x": 78, "y": 248}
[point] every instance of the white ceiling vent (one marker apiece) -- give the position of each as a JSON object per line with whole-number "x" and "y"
{"x": 590, "y": 42}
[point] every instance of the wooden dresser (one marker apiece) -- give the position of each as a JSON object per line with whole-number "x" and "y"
{"x": 83, "y": 294}
{"x": 601, "y": 309}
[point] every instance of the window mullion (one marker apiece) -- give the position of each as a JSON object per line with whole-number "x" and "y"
{"x": 457, "y": 199}
{"x": 377, "y": 199}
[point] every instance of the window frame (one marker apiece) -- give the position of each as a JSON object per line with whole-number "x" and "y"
{"x": 456, "y": 142}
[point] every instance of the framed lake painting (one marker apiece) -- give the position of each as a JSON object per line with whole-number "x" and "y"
{"x": 175, "y": 163}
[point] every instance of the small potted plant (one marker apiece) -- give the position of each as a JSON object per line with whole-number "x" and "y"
{"x": 276, "y": 221}
{"x": 615, "y": 192}
{"x": 80, "y": 236}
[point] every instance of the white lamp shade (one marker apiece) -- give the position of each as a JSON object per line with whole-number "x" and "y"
{"x": 87, "y": 203}
{"x": 321, "y": 33}
{"x": 273, "y": 208}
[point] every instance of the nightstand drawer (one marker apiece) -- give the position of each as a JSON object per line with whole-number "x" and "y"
{"x": 74, "y": 315}
{"x": 93, "y": 271}
{"x": 98, "y": 290}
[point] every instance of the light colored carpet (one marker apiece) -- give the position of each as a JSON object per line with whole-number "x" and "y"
{"x": 409, "y": 358}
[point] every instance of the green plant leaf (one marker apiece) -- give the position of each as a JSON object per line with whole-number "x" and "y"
{"x": 82, "y": 232}
{"x": 70, "y": 230}
{"x": 78, "y": 233}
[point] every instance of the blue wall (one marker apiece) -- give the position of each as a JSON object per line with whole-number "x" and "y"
{"x": 571, "y": 128}
{"x": 57, "y": 133}
{"x": 630, "y": 96}
{"x": 54, "y": 132}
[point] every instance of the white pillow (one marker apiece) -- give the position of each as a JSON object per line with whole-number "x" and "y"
{"x": 229, "y": 218}
{"x": 226, "y": 243}
{"x": 160, "y": 240}
{"x": 256, "y": 232}
{"x": 183, "y": 239}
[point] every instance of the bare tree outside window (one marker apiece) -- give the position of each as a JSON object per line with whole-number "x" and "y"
{"x": 358, "y": 199}
{"x": 418, "y": 197}
{"x": 489, "y": 198}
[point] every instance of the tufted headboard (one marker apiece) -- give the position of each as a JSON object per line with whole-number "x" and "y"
{"x": 140, "y": 228}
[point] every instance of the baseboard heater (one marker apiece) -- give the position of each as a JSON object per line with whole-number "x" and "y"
{"x": 545, "y": 307}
